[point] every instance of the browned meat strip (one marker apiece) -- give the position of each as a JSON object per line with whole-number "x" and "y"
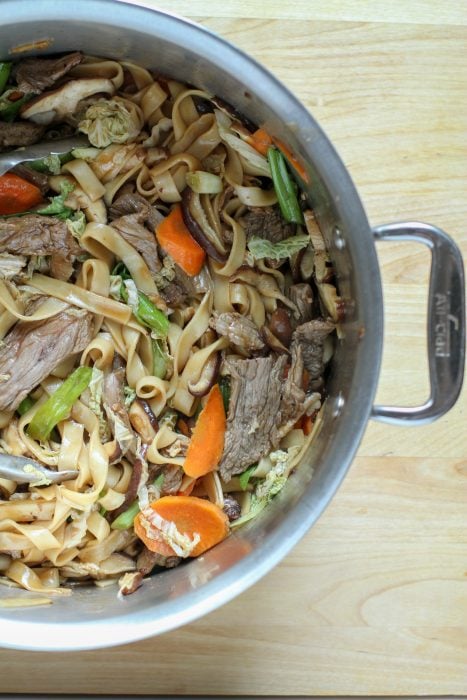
{"x": 130, "y": 227}
{"x": 33, "y": 234}
{"x": 38, "y": 74}
{"x": 310, "y": 337}
{"x": 38, "y": 179}
{"x": 113, "y": 399}
{"x": 239, "y": 329}
{"x": 147, "y": 560}
{"x": 267, "y": 222}
{"x": 31, "y": 351}
{"x": 264, "y": 406}
{"x": 134, "y": 203}
{"x": 254, "y": 405}
{"x": 174, "y": 295}
{"x": 20, "y": 133}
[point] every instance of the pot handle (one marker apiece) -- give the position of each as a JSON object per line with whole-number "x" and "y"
{"x": 446, "y": 323}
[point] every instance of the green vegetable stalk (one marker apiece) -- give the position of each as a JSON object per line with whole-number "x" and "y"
{"x": 125, "y": 519}
{"x": 5, "y": 69}
{"x": 224, "y": 386}
{"x": 159, "y": 359}
{"x": 25, "y": 405}
{"x": 145, "y": 311}
{"x": 58, "y": 406}
{"x": 9, "y": 108}
{"x": 285, "y": 187}
{"x": 245, "y": 476}
{"x": 57, "y": 206}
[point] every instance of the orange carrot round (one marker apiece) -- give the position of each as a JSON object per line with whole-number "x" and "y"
{"x": 174, "y": 237}
{"x": 207, "y": 442}
{"x": 191, "y": 515}
{"x": 17, "y": 195}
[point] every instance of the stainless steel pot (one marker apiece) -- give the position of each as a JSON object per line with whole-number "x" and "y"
{"x": 93, "y": 617}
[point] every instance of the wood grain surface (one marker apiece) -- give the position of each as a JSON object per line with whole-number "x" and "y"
{"x": 374, "y": 598}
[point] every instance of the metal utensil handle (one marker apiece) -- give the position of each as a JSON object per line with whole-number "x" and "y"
{"x": 446, "y": 322}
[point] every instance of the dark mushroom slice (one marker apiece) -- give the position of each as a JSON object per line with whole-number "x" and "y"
{"x": 280, "y": 326}
{"x": 57, "y": 104}
{"x": 273, "y": 342}
{"x": 197, "y": 223}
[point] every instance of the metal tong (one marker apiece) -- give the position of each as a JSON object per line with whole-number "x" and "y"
{"x": 40, "y": 150}
{"x": 24, "y": 470}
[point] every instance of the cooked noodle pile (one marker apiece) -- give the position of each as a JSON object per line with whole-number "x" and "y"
{"x": 161, "y": 259}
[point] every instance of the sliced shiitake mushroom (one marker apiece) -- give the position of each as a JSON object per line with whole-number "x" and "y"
{"x": 197, "y": 223}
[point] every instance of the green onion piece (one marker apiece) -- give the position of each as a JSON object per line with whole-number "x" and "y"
{"x": 146, "y": 313}
{"x": 203, "y": 182}
{"x": 125, "y": 519}
{"x": 158, "y": 481}
{"x": 224, "y": 386}
{"x": 102, "y": 511}
{"x": 159, "y": 360}
{"x": 245, "y": 476}
{"x": 151, "y": 316}
{"x": 5, "y": 69}
{"x": 58, "y": 406}
{"x": 285, "y": 187}
{"x": 10, "y": 108}
{"x": 51, "y": 164}
{"x": 25, "y": 405}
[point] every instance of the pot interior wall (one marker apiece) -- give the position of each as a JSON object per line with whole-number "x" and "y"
{"x": 180, "y": 50}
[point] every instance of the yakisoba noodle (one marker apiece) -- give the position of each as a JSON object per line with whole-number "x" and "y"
{"x": 166, "y": 337}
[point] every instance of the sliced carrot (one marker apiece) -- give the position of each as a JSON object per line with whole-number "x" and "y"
{"x": 207, "y": 442}
{"x": 191, "y": 516}
{"x": 260, "y": 140}
{"x": 291, "y": 159}
{"x": 174, "y": 237}
{"x": 17, "y": 195}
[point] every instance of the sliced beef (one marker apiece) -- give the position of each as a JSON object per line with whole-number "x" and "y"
{"x": 174, "y": 295}
{"x": 131, "y": 228}
{"x": 31, "y": 351}
{"x": 253, "y": 408}
{"x": 267, "y": 222}
{"x": 310, "y": 338}
{"x": 19, "y": 133}
{"x": 38, "y": 74}
{"x": 135, "y": 203}
{"x": 239, "y": 330}
{"x": 33, "y": 234}
{"x": 113, "y": 399}
{"x": 147, "y": 560}
{"x": 264, "y": 406}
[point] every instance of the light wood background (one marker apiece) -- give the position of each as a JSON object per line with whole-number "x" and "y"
{"x": 374, "y": 599}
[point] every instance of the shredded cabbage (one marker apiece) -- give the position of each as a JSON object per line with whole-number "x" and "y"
{"x": 76, "y": 224}
{"x": 158, "y": 528}
{"x": 262, "y": 248}
{"x": 268, "y": 487}
{"x": 111, "y": 121}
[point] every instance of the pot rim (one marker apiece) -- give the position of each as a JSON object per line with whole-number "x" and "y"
{"x": 133, "y": 626}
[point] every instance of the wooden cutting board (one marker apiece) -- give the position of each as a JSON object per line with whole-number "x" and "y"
{"x": 374, "y": 599}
